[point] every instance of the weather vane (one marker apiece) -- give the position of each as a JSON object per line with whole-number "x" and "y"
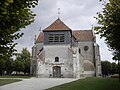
{"x": 58, "y": 12}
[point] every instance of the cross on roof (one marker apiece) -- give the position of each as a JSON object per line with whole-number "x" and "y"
{"x": 58, "y": 12}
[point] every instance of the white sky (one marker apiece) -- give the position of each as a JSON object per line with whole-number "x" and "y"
{"x": 76, "y": 14}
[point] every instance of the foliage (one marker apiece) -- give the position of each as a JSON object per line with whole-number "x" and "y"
{"x": 109, "y": 68}
{"x": 106, "y": 67}
{"x": 22, "y": 62}
{"x": 114, "y": 68}
{"x": 6, "y": 65}
{"x": 90, "y": 84}
{"x": 2, "y": 66}
{"x": 109, "y": 26}
{"x": 14, "y": 15}
{"x": 109, "y": 23}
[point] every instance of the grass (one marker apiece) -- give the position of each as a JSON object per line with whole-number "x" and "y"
{"x": 6, "y": 76}
{"x": 90, "y": 84}
{"x": 7, "y": 81}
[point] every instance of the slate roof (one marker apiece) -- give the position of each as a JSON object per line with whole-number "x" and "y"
{"x": 57, "y": 25}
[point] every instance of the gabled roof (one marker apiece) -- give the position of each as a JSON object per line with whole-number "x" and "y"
{"x": 83, "y": 35}
{"x": 40, "y": 38}
{"x": 80, "y": 35}
{"x": 57, "y": 25}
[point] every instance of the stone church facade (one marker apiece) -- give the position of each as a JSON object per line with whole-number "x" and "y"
{"x": 60, "y": 52}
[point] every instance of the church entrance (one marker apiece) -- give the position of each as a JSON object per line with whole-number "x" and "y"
{"x": 57, "y": 71}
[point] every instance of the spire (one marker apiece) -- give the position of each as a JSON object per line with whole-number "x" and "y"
{"x": 94, "y": 36}
{"x": 35, "y": 39}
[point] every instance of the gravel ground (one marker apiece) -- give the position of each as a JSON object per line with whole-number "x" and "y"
{"x": 36, "y": 83}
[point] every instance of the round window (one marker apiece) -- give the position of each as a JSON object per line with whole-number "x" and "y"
{"x": 86, "y": 48}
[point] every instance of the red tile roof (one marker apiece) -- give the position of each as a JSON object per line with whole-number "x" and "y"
{"x": 83, "y": 35}
{"x": 40, "y": 38}
{"x": 57, "y": 25}
{"x": 80, "y": 35}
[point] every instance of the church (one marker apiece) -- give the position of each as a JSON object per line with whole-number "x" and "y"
{"x": 60, "y": 52}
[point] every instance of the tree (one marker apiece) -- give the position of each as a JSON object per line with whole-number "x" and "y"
{"x": 109, "y": 26}
{"x": 6, "y": 66}
{"x": 18, "y": 64}
{"x": 106, "y": 67}
{"x": 2, "y": 66}
{"x": 22, "y": 62}
{"x": 109, "y": 68}
{"x": 25, "y": 56}
{"x": 114, "y": 68}
{"x": 14, "y": 15}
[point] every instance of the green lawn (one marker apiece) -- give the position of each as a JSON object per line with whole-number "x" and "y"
{"x": 7, "y": 81}
{"x": 15, "y": 76}
{"x": 90, "y": 84}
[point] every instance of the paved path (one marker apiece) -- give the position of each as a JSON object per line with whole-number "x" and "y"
{"x": 36, "y": 83}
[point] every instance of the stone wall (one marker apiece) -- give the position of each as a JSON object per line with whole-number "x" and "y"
{"x": 65, "y": 60}
{"x": 87, "y": 51}
{"x": 74, "y": 62}
{"x": 97, "y": 60}
{"x": 35, "y": 50}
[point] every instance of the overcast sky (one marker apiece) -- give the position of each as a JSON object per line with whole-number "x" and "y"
{"x": 76, "y": 14}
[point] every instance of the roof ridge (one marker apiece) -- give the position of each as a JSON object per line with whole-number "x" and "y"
{"x": 57, "y": 25}
{"x": 82, "y": 30}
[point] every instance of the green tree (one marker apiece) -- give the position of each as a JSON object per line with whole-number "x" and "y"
{"x": 26, "y": 57}
{"x": 22, "y": 62}
{"x": 109, "y": 26}
{"x": 2, "y": 66}
{"x": 14, "y": 15}
{"x": 9, "y": 65}
{"x": 106, "y": 67}
{"x": 6, "y": 65}
{"x": 114, "y": 68}
{"x": 18, "y": 64}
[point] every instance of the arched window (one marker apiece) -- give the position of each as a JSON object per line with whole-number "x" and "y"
{"x": 56, "y": 59}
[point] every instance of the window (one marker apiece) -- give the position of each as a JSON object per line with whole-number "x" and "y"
{"x": 56, "y": 59}
{"x": 79, "y": 50}
{"x": 56, "y": 38}
{"x": 51, "y": 38}
{"x": 86, "y": 48}
{"x": 62, "y": 37}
